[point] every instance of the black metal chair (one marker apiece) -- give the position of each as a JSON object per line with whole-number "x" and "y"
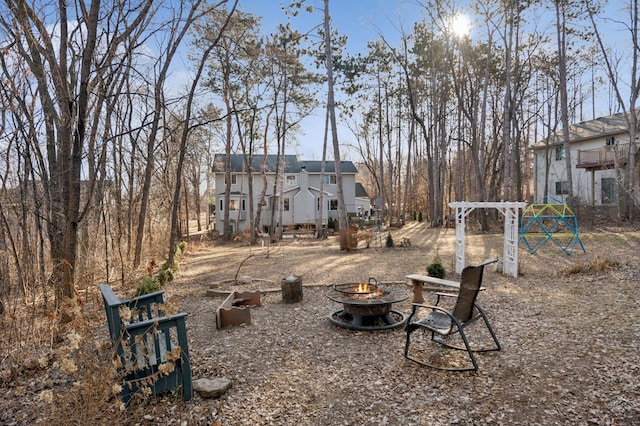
{"x": 441, "y": 325}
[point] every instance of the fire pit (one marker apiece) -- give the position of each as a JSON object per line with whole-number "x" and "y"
{"x": 366, "y": 307}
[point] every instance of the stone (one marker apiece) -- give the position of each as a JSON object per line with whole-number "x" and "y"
{"x": 243, "y": 279}
{"x": 211, "y": 388}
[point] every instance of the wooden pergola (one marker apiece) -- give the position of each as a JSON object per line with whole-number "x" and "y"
{"x": 510, "y": 210}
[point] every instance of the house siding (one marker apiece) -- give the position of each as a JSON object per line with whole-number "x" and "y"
{"x": 301, "y": 188}
{"x": 587, "y": 181}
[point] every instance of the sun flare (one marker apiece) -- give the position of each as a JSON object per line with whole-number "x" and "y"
{"x": 460, "y": 25}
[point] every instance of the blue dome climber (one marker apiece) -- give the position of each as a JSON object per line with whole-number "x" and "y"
{"x": 549, "y": 219}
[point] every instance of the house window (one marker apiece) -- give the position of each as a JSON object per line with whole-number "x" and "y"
{"x": 233, "y": 205}
{"x": 286, "y": 204}
{"x": 333, "y": 205}
{"x": 609, "y": 190}
{"x": 244, "y": 205}
{"x": 290, "y": 180}
{"x": 221, "y": 206}
{"x": 318, "y": 204}
{"x": 330, "y": 179}
{"x": 562, "y": 187}
{"x": 560, "y": 153}
{"x": 611, "y": 141}
{"x": 234, "y": 179}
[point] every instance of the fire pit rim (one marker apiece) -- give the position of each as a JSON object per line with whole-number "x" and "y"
{"x": 387, "y": 296}
{"x": 372, "y": 286}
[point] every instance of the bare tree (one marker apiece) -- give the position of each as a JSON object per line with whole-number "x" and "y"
{"x": 631, "y": 180}
{"x": 65, "y": 65}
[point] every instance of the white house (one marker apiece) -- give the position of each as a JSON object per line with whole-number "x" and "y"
{"x": 296, "y": 200}
{"x": 598, "y": 152}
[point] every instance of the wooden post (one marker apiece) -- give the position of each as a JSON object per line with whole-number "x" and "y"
{"x": 291, "y": 289}
{"x": 417, "y": 291}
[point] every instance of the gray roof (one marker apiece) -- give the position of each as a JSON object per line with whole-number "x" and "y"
{"x": 292, "y": 164}
{"x": 360, "y": 191}
{"x": 609, "y": 125}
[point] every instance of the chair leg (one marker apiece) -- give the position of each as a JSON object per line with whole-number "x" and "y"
{"x": 482, "y": 315}
{"x": 467, "y": 348}
{"x": 493, "y": 334}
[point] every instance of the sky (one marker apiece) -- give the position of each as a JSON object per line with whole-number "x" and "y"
{"x": 361, "y": 21}
{"x": 365, "y": 20}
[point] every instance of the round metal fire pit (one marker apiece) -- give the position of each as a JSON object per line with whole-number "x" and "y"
{"x": 366, "y": 308}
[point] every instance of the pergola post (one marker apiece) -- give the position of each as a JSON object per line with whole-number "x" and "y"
{"x": 510, "y": 211}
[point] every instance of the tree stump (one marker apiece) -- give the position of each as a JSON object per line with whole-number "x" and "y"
{"x": 291, "y": 289}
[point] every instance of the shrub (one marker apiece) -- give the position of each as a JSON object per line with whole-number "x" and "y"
{"x": 435, "y": 268}
{"x": 348, "y": 239}
{"x": 366, "y": 236}
{"x": 164, "y": 276}
{"x": 148, "y": 285}
{"x": 180, "y": 248}
{"x": 389, "y": 242}
{"x": 76, "y": 356}
{"x": 592, "y": 266}
{"x": 174, "y": 268}
{"x": 420, "y": 217}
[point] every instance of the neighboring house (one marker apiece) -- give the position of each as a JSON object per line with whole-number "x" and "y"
{"x": 296, "y": 201}
{"x": 598, "y": 152}
{"x": 363, "y": 202}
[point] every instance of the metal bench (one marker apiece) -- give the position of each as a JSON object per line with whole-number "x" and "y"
{"x": 152, "y": 348}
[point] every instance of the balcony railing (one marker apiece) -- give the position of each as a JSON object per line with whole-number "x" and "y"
{"x": 603, "y": 158}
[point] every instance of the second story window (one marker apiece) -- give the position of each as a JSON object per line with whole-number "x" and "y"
{"x": 290, "y": 180}
{"x": 330, "y": 179}
{"x": 610, "y": 141}
{"x": 234, "y": 179}
{"x": 560, "y": 153}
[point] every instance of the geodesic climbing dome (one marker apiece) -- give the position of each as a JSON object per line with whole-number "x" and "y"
{"x": 549, "y": 219}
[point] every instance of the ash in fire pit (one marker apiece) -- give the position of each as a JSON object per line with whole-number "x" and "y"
{"x": 366, "y": 307}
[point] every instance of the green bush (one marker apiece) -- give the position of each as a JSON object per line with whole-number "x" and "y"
{"x": 164, "y": 276}
{"x": 420, "y": 217}
{"x": 435, "y": 268}
{"x": 148, "y": 285}
{"x": 389, "y": 240}
{"x": 174, "y": 268}
{"x": 181, "y": 248}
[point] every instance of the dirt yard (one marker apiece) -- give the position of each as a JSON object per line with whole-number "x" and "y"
{"x": 570, "y": 340}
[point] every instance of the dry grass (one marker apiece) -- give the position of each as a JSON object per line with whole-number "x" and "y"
{"x": 592, "y": 266}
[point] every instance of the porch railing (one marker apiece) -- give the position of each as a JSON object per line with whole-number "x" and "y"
{"x": 604, "y": 157}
